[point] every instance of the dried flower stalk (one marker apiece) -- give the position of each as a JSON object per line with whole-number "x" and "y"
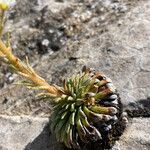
{"x": 27, "y": 71}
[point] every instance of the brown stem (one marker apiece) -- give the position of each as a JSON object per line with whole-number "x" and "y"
{"x": 31, "y": 75}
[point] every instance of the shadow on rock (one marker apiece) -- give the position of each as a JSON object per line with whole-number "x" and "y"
{"x": 139, "y": 109}
{"x": 45, "y": 141}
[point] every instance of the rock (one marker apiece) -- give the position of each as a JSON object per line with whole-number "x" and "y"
{"x": 32, "y": 133}
{"x": 137, "y": 135}
{"x": 123, "y": 54}
{"x": 24, "y": 132}
{"x": 31, "y": 23}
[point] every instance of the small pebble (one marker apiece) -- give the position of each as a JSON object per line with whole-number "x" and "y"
{"x": 45, "y": 42}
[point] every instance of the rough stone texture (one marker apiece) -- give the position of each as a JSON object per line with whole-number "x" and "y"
{"x": 123, "y": 54}
{"x": 111, "y": 36}
{"x": 32, "y": 133}
{"x": 28, "y": 133}
{"x": 137, "y": 135}
{"x": 65, "y": 30}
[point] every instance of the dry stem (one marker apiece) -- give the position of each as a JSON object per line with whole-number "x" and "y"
{"x": 27, "y": 72}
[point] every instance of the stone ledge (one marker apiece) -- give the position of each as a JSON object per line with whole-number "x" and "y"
{"x": 25, "y": 133}
{"x": 137, "y": 135}
{"x": 32, "y": 133}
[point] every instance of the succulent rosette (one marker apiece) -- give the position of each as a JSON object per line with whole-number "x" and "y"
{"x": 87, "y": 111}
